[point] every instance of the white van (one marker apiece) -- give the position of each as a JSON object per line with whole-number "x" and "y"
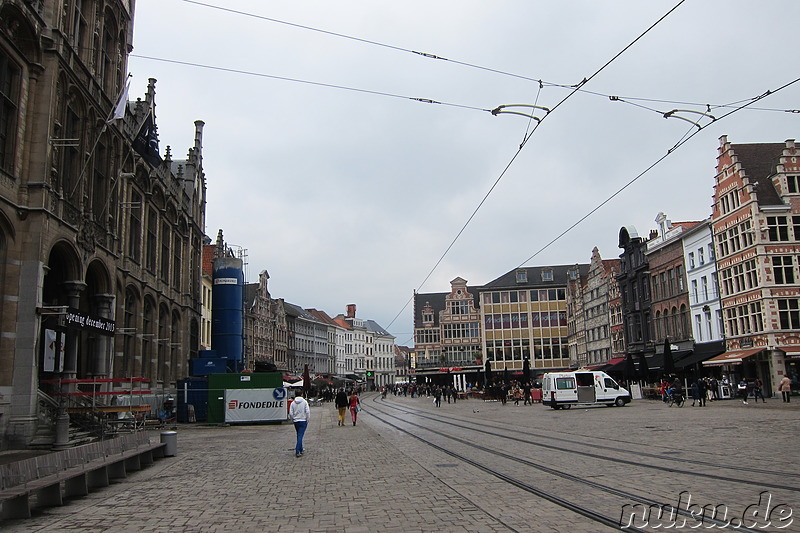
{"x": 588, "y": 387}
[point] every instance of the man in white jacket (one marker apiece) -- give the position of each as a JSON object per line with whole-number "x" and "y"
{"x": 300, "y": 415}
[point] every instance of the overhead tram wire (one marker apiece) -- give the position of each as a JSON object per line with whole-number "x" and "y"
{"x": 626, "y": 99}
{"x": 525, "y": 141}
{"x": 307, "y": 82}
{"x": 679, "y": 144}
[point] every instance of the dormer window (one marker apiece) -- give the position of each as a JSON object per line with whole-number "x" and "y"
{"x": 522, "y": 276}
{"x": 573, "y": 274}
{"x": 547, "y": 274}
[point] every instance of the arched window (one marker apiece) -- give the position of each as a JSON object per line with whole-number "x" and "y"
{"x": 148, "y": 336}
{"x": 684, "y": 321}
{"x": 81, "y": 28}
{"x": 9, "y": 108}
{"x": 107, "y": 64}
{"x": 176, "y": 345}
{"x": 100, "y": 180}
{"x": 163, "y": 344}
{"x": 659, "y": 326}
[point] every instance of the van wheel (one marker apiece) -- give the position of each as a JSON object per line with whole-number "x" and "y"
{"x": 567, "y": 406}
{"x": 619, "y": 402}
{"x": 554, "y": 407}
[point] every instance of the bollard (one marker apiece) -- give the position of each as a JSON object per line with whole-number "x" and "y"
{"x": 171, "y": 440}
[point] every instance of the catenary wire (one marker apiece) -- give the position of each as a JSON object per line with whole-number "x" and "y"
{"x": 627, "y": 99}
{"x": 307, "y": 82}
{"x": 669, "y": 152}
{"x": 525, "y": 141}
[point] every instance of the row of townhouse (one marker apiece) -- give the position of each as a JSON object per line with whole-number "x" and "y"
{"x": 720, "y": 295}
{"x": 282, "y": 336}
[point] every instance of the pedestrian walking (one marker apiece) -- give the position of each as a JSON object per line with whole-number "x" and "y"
{"x": 526, "y": 393}
{"x": 785, "y": 388}
{"x": 742, "y": 389}
{"x": 714, "y": 389}
{"x": 437, "y": 396}
{"x": 300, "y": 415}
{"x": 355, "y": 407}
{"x": 702, "y": 392}
{"x": 695, "y": 393}
{"x": 757, "y": 391}
{"x": 341, "y": 405}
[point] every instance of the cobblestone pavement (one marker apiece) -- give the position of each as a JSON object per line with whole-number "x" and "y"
{"x": 373, "y": 478}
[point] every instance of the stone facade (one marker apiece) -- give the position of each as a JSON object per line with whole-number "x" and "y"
{"x": 601, "y": 284}
{"x": 97, "y": 227}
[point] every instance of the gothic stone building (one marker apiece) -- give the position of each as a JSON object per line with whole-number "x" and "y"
{"x": 100, "y": 236}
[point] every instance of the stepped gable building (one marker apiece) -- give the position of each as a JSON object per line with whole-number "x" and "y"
{"x": 576, "y": 319}
{"x": 601, "y": 287}
{"x": 265, "y": 331}
{"x": 522, "y": 315}
{"x": 100, "y": 233}
{"x": 447, "y": 333}
{"x": 756, "y": 225}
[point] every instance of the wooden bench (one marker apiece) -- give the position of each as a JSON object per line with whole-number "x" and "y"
{"x": 72, "y": 473}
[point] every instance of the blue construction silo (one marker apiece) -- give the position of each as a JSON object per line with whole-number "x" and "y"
{"x": 227, "y": 311}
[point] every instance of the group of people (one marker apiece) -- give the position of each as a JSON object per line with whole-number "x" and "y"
{"x": 704, "y": 389}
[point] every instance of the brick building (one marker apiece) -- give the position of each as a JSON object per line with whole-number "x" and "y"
{"x": 756, "y": 225}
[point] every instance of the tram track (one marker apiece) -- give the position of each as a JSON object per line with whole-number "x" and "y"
{"x": 385, "y": 416}
{"x": 663, "y": 458}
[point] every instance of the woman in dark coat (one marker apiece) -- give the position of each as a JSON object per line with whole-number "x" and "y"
{"x": 341, "y": 405}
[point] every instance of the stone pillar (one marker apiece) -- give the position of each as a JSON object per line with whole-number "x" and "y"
{"x": 73, "y": 290}
{"x": 101, "y": 366}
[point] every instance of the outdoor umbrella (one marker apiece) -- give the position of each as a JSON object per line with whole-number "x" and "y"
{"x": 488, "y": 373}
{"x": 306, "y": 380}
{"x": 526, "y": 370}
{"x": 629, "y": 370}
{"x": 505, "y": 374}
{"x": 644, "y": 370}
{"x": 668, "y": 366}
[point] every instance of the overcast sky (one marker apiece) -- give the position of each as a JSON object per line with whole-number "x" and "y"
{"x": 346, "y": 190}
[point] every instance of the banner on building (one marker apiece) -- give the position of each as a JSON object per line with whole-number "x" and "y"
{"x": 78, "y": 320}
{"x": 255, "y": 405}
{"x": 53, "y": 351}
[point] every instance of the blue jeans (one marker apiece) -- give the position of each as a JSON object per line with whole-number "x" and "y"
{"x": 300, "y": 428}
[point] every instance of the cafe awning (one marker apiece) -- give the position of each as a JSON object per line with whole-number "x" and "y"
{"x": 733, "y": 357}
{"x": 607, "y": 365}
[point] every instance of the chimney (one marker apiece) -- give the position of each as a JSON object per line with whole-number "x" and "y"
{"x": 653, "y": 234}
{"x": 351, "y": 310}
